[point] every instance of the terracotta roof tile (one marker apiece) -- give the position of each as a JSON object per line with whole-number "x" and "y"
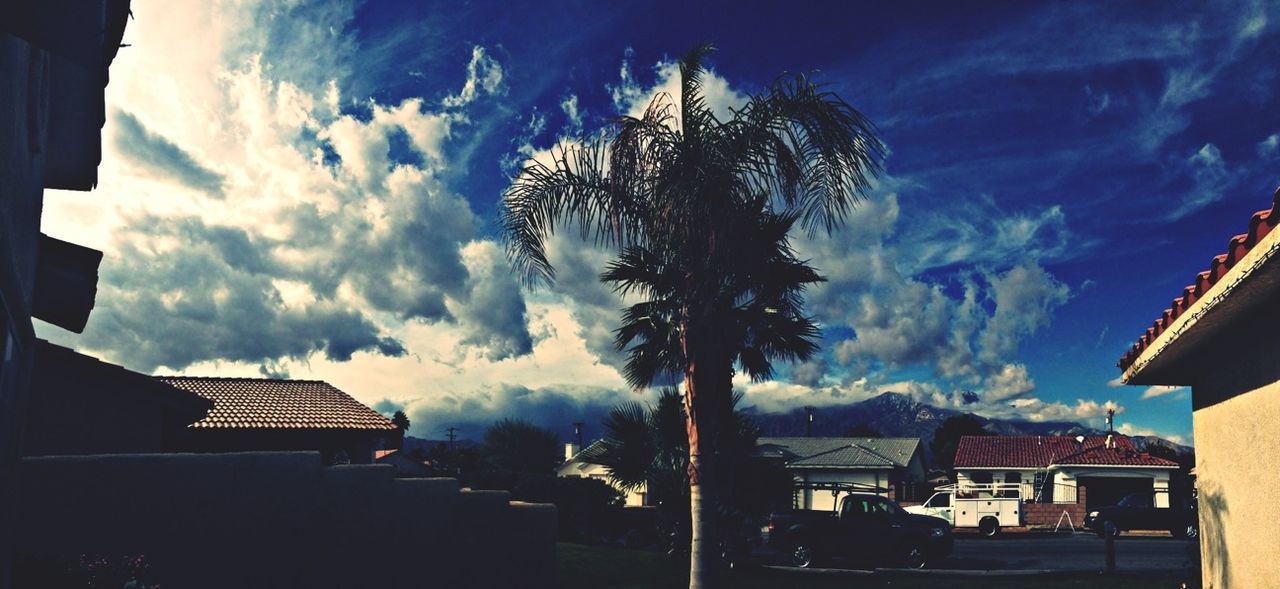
{"x": 278, "y": 404}
{"x": 1260, "y": 225}
{"x": 1043, "y": 451}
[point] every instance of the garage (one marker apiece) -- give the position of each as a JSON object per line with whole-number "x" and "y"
{"x": 1103, "y": 491}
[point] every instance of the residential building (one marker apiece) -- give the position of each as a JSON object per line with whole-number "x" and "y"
{"x": 1221, "y": 337}
{"x": 253, "y": 414}
{"x": 820, "y": 465}
{"x": 575, "y": 465}
{"x": 54, "y": 57}
{"x": 1053, "y": 469}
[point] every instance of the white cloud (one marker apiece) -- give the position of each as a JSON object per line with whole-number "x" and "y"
{"x": 1268, "y": 147}
{"x": 1160, "y": 391}
{"x": 484, "y": 74}
{"x": 1130, "y": 429}
{"x": 1010, "y": 382}
{"x": 1211, "y": 180}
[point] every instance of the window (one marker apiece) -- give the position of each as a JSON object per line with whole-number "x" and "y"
{"x": 981, "y": 477}
{"x": 1012, "y": 477}
{"x": 939, "y": 500}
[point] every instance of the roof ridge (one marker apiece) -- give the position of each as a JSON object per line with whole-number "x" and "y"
{"x": 253, "y": 378}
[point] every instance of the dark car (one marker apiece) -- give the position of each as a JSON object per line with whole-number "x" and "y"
{"x": 1137, "y": 511}
{"x": 869, "y": 528}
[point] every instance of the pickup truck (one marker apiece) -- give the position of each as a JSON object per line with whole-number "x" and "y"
{"x": 869, "y": 528}
{"x": 1138, "y": 512}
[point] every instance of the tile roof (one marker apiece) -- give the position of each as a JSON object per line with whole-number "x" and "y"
{"x": 1044, "y": 451}
{"x": 1260, "y": 225}
{"x": 840, "y": 452}
{"x": 259, "y": 403}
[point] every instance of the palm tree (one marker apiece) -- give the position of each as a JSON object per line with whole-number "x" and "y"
{"x": 699, "y": 210}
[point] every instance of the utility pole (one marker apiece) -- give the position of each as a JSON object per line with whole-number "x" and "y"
{"x": 1111, "y": 415}
{"x": 453, "y": 435}
{"x": 577, "y": 432}
{"x": 808, "y": 425}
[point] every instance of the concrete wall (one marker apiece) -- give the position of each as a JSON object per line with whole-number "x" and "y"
{"x": 1237, "y": 482}
{"x": 281, "y": 519}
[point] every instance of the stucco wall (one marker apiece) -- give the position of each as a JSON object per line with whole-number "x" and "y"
{"x": 826, "y": 501}
{"x": 1237, "y": 488}
{"x": 21, "y": 191}
{"x": 281, "y": 519}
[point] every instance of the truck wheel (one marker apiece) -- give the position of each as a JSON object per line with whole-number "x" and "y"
{"x": 800, "y": 555}
{"x": 989, "y": 527}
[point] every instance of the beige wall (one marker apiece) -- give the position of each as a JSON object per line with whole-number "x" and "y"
{"x": 281, "y": 519}
{"x": 824, "y": 500}
{"x": 1238, "y": 481}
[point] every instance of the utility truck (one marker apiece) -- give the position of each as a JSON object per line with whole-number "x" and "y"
{"x": 985, "y": 506}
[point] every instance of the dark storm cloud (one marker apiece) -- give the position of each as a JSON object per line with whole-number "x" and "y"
{"x": 154, "y": 152}
{"x": 554, "y": 408}
{"x": 208, "y": 298}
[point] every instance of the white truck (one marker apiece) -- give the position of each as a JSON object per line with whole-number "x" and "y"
{"x": 986, "y": 506}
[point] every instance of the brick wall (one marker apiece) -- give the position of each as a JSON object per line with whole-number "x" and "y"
{"x": 1048, "y": 514}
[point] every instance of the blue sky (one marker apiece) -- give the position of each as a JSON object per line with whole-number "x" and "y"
{"x": 308, "y": 188}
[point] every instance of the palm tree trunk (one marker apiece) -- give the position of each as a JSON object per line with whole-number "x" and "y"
{"x": 703, "y": 383}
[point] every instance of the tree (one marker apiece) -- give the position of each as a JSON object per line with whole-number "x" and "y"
{"x": 947, "y": 438}
{"x": 401, "y": 421}
{"x": 518, "y": 446}
{"x": 863, "y": 430}
{"x": 646, "y": 445}
{"x": 699, "y": 211}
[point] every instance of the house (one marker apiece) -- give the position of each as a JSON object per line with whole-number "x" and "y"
{"x": 1055, "y": 469}
{"x": 251, "y": 414}
{"x": 405, "y": 465}
{"x": 1220, "y": 337}
{"x": 54, "y": 61}
{"x": 575, "y": 466}
{"x": 82, "y": 405}
{"x": 884, "y": 464}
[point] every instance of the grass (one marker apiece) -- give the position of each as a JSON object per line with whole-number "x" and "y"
{"x": 583, "y": 567}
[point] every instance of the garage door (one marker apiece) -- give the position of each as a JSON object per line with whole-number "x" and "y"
{"x": 1104, "y": 491}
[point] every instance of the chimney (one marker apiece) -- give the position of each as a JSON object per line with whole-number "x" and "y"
{"x": 570, "y": 450}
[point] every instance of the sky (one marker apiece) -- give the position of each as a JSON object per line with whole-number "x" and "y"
{"x": 308, "y": 190}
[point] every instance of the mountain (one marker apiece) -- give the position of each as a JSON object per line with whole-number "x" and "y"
{"x": 898, "y": 415}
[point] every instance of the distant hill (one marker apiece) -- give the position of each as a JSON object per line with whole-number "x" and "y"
{"x": 898, "y": 415}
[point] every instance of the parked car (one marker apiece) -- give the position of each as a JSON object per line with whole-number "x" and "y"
{"x": 868, "y": 528}
{"x": 1137, "y": 511}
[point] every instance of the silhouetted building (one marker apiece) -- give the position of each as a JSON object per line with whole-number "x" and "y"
{"x": 54, "y": 56}
{"x": 82, "y": 405}
{"x": 251, "y": 414}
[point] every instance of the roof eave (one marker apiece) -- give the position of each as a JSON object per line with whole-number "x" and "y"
{"x": 1170, "y": 357}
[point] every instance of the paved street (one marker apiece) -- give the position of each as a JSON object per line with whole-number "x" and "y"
{"x": 1048, "y": 552}
{"x": 1080, "y": 552}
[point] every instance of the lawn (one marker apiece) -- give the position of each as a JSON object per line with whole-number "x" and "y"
{"x": 583, "y": 567}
